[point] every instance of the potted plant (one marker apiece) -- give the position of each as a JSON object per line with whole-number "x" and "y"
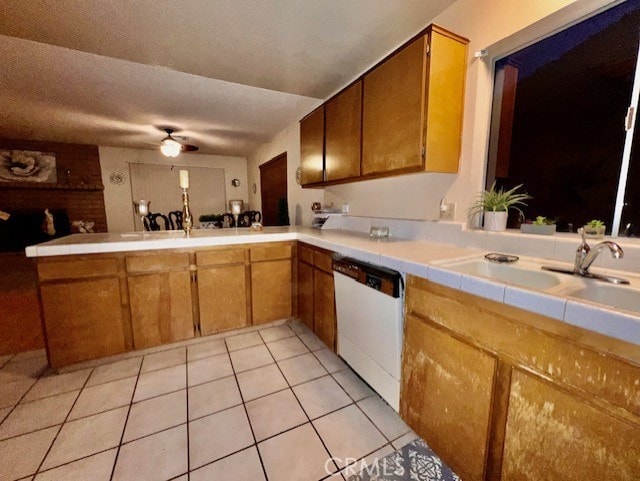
{"x": 495, "y": 205}
{"x": 595, "y": 229}
{"x": 540, "y": 226}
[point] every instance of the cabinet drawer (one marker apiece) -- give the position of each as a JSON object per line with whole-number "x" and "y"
{"x": 323, "y": 261}
{"x": 77, "y": 269}
{"x": 270, "y": 252}
{"x": 219, "y": 257}
{"x": 305, "y": 253}
{"x": 155, "y": 263}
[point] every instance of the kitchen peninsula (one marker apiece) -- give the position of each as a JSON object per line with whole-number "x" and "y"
{"x": 521, "y": 348}
{"x": 131, "y": 291}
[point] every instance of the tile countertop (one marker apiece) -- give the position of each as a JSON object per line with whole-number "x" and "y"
{"x": 420, "y": 258}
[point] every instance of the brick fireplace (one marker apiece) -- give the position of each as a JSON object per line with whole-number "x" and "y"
{"x": 77, "y": 195}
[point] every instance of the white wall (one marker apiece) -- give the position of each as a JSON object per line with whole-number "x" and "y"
{"x": 117, "y": 198}
{"x": 500, "y": 25}
{"x": 300, "y": 199}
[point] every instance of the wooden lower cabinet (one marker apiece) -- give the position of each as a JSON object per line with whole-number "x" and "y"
{"x": 305, "y": 293}
{"x": 161, "y": 309}
{"x": 270, "y": 290}
{"x": 552, "y": 435}
{"x": 504, "y": 394}
{"x": 316, "y": 296}
{"x": 83, "y": 320}
{"x": 103, "y": 304}
{"x": 324, "y": 309}
{"x": 447, "y": 393}
{"x": 222, "y": 294}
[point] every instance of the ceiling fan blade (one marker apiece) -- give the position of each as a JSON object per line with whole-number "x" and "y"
{"x": 189, "y": 148}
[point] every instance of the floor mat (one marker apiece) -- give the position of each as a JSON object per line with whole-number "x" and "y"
{"x": 414, "y": 462}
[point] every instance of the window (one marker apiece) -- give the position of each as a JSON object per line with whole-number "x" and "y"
{"x": 561, "y": 123}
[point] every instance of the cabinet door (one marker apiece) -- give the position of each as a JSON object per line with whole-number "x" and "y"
{"x": 342, "y": 133}
{"x": 305, "y": 294}
{"x": 270, "y": 290}
{"x": 161, "y": 309}
{"x": 83, "y": 320}
{"x": 445, "y": 102}
{"x": 446, "y": 396}
{"x": 324, "y": 308}
{"x": 393, "y": 107}
{"x": 222, "y": 293}
{"x": 552, "y": 434}
{"x": 312, "y": 147}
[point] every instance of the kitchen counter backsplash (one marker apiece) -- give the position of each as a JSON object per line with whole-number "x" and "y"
{"x": 559, "y": 247}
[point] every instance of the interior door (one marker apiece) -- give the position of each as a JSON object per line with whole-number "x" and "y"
{"x": 273, "y": 187}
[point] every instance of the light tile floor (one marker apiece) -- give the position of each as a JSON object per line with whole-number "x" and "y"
{"x": 266, "y": 404}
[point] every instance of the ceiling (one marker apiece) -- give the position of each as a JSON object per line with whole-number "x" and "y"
{"x": 229, "y": 73}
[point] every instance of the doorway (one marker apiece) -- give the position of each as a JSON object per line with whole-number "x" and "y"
{"x": 273, "y": 187}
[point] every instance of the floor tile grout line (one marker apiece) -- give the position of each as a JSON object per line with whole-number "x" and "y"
{"x": 62, "y": 426}
{"x": 186, "y": 389}
{"x": 73, "y": 461}
{"x": 253, "y": 445}
{"x": 354, "y": 402}
{"x": 13, "y": 408}
{"x": 85, "y": 385}
{"x": 368, "y": 454}
{"x": 126, "y": 421}
{"x": 305, "y": 411}
{"x": 246, "y": 413}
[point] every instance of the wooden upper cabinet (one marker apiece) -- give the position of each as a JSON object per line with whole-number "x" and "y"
{"x": 447, "y": 67}
{"x": 413, "y": 107}
{"x": 403, "y": 116}
{"x": 392, "y": 111}
{"x": 312, "y": 147}
{"x": 342, "y": 133}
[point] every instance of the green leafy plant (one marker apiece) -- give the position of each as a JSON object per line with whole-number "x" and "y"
{"x": 499, "y": 200}
{"x": 595, "y": 224}
{"x": 542, "y": 220}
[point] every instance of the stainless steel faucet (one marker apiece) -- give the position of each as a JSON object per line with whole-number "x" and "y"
{"x": 585, "y": 256}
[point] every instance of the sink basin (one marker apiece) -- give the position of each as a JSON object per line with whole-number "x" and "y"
{"x": 615, "y": 296}
{"x": 520, "y": 274}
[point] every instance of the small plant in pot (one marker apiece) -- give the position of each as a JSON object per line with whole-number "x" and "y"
{"x": 495, "y": 204}
{"x": 540, "y": 226}
{"x": 595, "y": 229}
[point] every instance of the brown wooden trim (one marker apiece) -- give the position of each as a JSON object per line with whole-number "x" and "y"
{"x": 274, "y": 159}
{"x": 498, "y": 422}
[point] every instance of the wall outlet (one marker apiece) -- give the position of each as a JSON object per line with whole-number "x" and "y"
{"x": 448, "y": 211}
{"x": 345, "y": 208}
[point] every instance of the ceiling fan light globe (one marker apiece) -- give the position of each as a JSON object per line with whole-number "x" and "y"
{"x": 170, "y": 148}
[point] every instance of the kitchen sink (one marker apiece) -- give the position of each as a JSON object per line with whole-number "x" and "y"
{"x": 619, "y": 297}
{"x": 523, "y": 274}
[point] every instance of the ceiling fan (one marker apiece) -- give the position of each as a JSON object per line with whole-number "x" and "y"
{"x": 170, "y": 147}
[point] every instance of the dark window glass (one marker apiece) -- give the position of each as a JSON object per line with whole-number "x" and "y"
{"x": 558, "y": 121}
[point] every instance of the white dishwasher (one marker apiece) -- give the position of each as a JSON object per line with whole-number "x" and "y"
{"x": 369, "y": 313}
